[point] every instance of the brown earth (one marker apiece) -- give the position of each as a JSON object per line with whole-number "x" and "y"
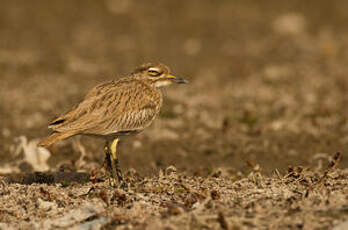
{"x": 268, "y": 88}
{"x": 300, "y": 199}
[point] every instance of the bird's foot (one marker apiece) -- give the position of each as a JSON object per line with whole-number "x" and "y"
{"x": 116, "y": 178}
{"x": 112, "y": 182}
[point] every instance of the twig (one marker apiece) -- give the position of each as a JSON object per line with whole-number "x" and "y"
{"x": 332, "y": 165}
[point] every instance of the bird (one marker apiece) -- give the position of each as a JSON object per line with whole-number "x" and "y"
{"x": 116, "y": 108}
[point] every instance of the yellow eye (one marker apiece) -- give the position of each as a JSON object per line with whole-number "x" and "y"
{"x": 153, "y": 72}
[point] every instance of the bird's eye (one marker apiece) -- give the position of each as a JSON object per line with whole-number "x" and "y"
{"x": 153, "y": 72}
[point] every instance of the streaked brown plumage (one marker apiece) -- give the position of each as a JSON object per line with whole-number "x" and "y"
{"x": 116, "y": 108}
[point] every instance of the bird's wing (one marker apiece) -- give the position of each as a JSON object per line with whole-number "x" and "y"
{"x": 111, "y": 108}
{"x": 63, "y": 121}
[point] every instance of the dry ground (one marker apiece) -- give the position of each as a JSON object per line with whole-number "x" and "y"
{"x": 300, "y": 199}
{"x": 268, "y": 87}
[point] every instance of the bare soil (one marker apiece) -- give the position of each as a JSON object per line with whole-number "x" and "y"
{"x": 250, "y": 136}
{"x": 300, "y": 199}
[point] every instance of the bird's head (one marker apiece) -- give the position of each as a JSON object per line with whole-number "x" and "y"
{"x": 157, "y": 74}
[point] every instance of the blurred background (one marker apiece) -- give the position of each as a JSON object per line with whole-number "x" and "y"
{"x": 268, "y": 80}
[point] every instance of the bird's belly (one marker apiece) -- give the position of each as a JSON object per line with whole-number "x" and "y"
{"x": 137, "y": 120}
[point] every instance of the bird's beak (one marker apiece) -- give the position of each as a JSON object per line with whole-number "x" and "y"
{"x": 178, "y": 80}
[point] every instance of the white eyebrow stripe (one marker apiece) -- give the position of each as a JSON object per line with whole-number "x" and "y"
{"x": 154, "y": 69}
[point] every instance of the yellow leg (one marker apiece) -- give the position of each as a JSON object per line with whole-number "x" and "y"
{"x": 114, "y": 161}
{"x": 109, "y": 165}
{"x": 113, "y": 148}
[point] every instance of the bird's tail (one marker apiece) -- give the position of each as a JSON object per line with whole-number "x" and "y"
{"x": 54, "y": 137}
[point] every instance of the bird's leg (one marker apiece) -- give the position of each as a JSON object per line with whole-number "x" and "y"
{"x": 114, "y": 160}
{"x": 109, "y": 165}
